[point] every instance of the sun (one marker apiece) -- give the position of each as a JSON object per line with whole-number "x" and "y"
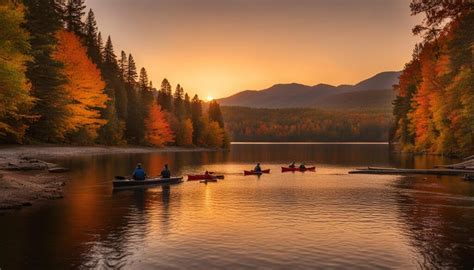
{"x": 210, "y": 98}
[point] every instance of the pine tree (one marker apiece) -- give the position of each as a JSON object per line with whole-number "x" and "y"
{"x": 43, "y": 20}
{"x": 187, "y": 105}
{"x": 143, "y": 79}
{"x": 197, "y": 119}
{"x": 165, "y": 99}
{"x": 15, "y": 99}
{"x": 179, "y": 109}
{"x": 115, "y": 113}
{"x": 123, "y": 66}
{"x": 131, "y": 75}
{"x": 73, "y": 17}
{"x": 215, "y": 113}
{"x": 91, "y": 38}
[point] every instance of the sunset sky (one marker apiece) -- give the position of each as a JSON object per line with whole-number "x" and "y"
{"x": 219, "y": 47}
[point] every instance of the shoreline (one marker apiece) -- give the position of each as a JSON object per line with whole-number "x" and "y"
{"x": 56, "y": 151}
{"x": 25, "y": 178}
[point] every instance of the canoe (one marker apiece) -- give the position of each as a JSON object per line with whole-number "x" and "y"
{"x": 125, "y": 183}
{"x": 252, "y": 172}
{"x": 297, "y": 169}
{"x": 204, "y": 177}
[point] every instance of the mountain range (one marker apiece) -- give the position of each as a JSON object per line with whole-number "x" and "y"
{"x": 373, "y": 93}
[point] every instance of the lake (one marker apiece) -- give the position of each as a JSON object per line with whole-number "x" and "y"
{"x": 322, "y": 219}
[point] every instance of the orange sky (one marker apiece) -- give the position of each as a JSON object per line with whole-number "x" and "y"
{"x": 219, "y": 47}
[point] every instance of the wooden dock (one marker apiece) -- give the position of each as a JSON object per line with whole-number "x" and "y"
{"x": 437, "y": 171}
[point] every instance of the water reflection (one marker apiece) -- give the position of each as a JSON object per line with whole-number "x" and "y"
{"x": 326, "y": 219}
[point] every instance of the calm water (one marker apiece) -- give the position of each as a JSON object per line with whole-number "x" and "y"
{"x": 326, "y": 219}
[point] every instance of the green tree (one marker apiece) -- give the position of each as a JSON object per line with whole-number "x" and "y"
{"x": 91, "y": 38}
{"x": 43, "y": 20}
{"x": 73, "y": 16}
{"x": 197, "y": 119}
{"x": 131, "y": 73}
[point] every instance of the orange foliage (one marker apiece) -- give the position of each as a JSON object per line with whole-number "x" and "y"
{"x": 85, "y": 86}
{"x": 158, "y": 131}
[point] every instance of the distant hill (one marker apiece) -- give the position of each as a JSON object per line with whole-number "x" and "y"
{"x": 374, "y": 93}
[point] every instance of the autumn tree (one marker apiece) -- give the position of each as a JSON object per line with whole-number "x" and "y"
{"x": 85, "y": 87}
{"x": 15, "y": 99}
{"x": 434, "y": 108}
{"x": 158, "y": 132}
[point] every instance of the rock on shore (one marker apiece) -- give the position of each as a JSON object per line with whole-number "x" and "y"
{"x": 24, "y": 181}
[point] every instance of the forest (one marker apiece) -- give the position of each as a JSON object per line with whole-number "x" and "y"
{"x": 60, "y": 83}
{"x": 434, "y": 108}
{"x": 304, "y": 124}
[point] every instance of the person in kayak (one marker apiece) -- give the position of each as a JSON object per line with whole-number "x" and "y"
{"x": 257, "y": 168}
{"x": 292, "y": 165}
{"x": 165, "y": 173}
{"x": 302, "y": 166}
{"x": 139, "y": 173}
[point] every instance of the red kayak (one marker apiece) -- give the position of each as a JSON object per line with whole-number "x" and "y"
{"x": 297, "y": 169}
{"x": 252, "y": 172}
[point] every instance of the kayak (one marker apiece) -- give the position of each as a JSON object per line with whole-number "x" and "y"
{"x": 125, "y": 183}
{"x": 204, "y": 177}
{"x": 297, "y": 169}
{"x": 252, "y": 172}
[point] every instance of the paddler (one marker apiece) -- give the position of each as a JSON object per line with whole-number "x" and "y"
{"x": 139, "y": 173}
{"x": 257, "y": 168}
{"x": 292, "y": 165}
{"x": 165, "y": 173}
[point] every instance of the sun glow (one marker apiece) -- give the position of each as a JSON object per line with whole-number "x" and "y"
{"x": 209, "y": 98}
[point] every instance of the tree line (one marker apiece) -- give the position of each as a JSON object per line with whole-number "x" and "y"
{"x": 60, "y": 83}
{"x": 434, "y": 108}
{"x": 304, "y": 124}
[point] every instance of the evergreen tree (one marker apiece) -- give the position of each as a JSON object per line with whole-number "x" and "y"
{"x": 187, "y": 105}
{"x": 123, "y": 66}
{"x": 165, "y": 99}
{"x": 179, "y": 109}
{"x": 43, "y": 20}
{"x": 115, "y": 113}
{"x": 73, "y": 16}
{"x": 215, "y": 113}
{"x": 197, "y": 119}
{"x": 100, "y": 48}
{"x": 91, "y": 38}
{"x": 131, "y": 75}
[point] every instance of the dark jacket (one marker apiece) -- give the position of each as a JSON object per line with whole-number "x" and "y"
{"x": 139, "y": 174}
{"x": 165, "y": 173}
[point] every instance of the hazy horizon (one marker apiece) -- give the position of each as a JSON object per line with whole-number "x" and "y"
{"x": 217, "y": 48}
